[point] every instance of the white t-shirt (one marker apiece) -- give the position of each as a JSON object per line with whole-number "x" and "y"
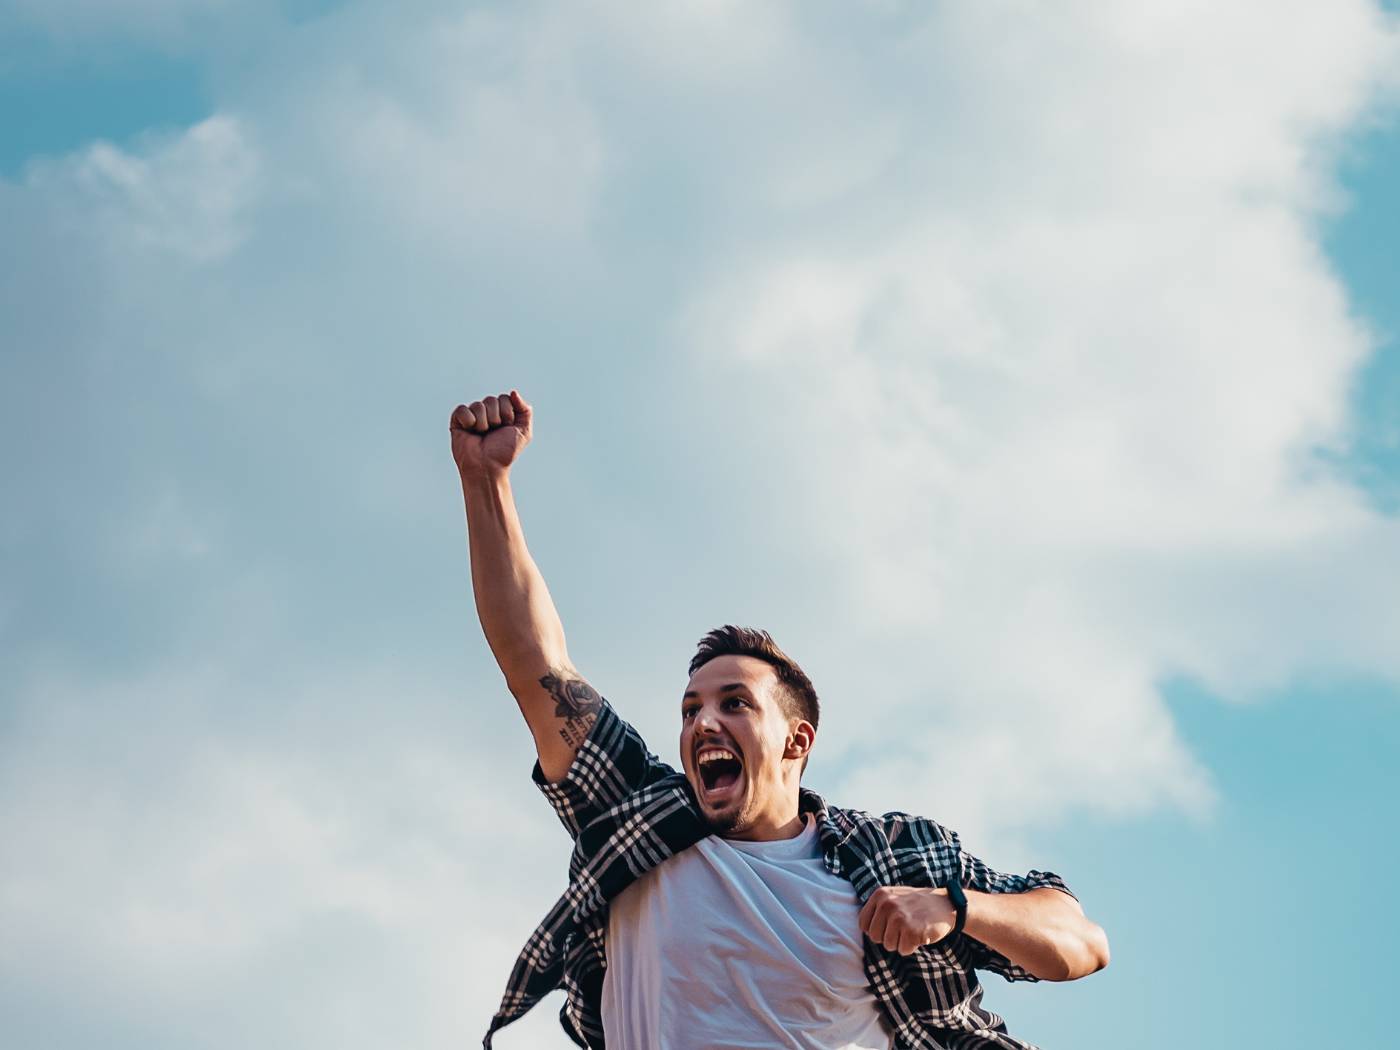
{"x": 732, "y": 945}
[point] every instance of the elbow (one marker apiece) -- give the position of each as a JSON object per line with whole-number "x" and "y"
{"x": 1096, "y": 948}
{"x": 1084, "y": 953}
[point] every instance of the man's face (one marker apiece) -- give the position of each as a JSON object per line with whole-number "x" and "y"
{"x": 752, "y": 751}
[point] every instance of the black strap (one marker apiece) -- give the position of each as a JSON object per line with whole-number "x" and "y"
{"x": 959, "y": 899}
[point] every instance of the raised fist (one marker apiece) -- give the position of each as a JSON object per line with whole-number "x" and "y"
{"x": 488, "y": 434}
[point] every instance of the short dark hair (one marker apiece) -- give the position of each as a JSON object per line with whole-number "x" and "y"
{"x": 795, "y": 692}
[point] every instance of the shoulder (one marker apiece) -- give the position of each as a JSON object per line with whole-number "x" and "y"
{"x": 908, "y": 829}
{"x": 612, "y": 741}
{"x": 612, "y": 764}
{"x": 896, "y": 827}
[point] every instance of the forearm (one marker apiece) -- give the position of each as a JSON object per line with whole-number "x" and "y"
{"x": 517, "y": 614}
{"x": 1043, "y": 931}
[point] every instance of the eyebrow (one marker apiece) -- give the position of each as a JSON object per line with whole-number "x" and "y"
{"x": 689, "y": 693}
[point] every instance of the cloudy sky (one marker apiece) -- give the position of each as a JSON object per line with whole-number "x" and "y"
{"x": 1032, "y": 372}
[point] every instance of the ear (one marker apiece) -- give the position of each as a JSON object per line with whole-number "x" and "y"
{"x": 801, "y": 737}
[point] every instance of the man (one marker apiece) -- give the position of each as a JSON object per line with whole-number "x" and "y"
{"x": 726, "y": 905}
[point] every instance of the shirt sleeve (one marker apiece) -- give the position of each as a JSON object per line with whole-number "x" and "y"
{"x": 612, "y": 762}
{"x": 977, "y": 875}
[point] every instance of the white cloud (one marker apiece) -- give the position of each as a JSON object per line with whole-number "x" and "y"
{"x": 1040, "y": 427}
{"x": 986, "y": 347}
{"x": 185, "y": 195}
{"x": 461, "y": 123}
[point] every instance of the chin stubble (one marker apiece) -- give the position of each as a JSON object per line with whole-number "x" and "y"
{"x": 724, "y": 824}
{"x": 728, "y": 820}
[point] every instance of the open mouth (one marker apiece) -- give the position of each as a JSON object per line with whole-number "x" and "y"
{"x": 719, "y": 770}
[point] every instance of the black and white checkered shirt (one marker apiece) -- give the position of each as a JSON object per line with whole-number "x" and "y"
{"x": 628, "y": 811}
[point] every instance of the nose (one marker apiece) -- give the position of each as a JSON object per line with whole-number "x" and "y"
{"x": 705, "y": 722}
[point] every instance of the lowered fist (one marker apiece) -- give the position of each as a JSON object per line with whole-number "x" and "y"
{"x": 903, "y": 918}
{"x": 488, "y": 434}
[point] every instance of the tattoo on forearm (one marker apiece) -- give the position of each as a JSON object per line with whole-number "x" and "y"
{"x": 576, "y": 702}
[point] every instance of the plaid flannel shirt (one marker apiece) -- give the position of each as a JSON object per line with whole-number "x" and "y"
{"x": 628, "y": 812}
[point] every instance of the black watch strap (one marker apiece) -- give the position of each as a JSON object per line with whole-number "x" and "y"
{"x": 959, "y": 899}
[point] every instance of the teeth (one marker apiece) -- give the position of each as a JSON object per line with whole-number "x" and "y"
{"x": 714, "y": 754}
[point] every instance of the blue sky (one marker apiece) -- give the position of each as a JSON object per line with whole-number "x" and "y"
{"x": 1033, "y": 378}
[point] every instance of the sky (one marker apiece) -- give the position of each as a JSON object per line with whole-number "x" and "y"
{"x": 1031, "y": 373}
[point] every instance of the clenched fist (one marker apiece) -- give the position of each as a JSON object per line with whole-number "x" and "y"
{"x": 488, "y": 434}
{"x": 903, "y": 918}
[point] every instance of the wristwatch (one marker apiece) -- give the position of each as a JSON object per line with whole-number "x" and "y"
{"x": 959, "y": 899}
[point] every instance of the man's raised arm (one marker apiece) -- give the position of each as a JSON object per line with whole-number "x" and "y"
{"x": 517, "y": 615}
